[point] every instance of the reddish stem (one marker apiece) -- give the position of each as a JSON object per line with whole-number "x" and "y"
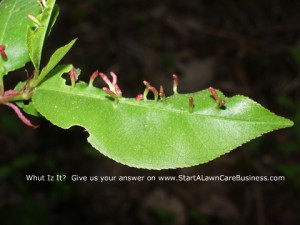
{"x": 19, "y": 114}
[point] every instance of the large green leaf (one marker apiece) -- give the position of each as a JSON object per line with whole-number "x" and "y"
{"x": 36, "y": 36}
{"x": 155, "y": 135}
{"x": 13, "y": 30}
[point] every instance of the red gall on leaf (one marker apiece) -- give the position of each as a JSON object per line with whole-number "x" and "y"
{"x": 146, "y": 91}
{"x": 72, "y": 77}
{"x": 162, "y": 93}
{"x": 114, "y": 78}
{"x": 175, "y": 83}
{"x": 220, "y": 102}
{"x": 19, "y": 114}
{"x": 113, "y": 86}
{"x": 118, "y": 90}
{"x": 2, "y": 52}
{"x": 110, "y": 93}
{"x": 74, "y": 74}
{"x": 106, "y": 80}
{"x": 191, "y": 104}
{"x": 139, "y": 97}
{"x": 152, "y": 89}
{"x": 93, "y": 77}
{"x": 214, "y": 93}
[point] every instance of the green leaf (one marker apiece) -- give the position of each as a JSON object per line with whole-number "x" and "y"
{"x": 55, "y": 59}
{"x": 36, "y": 36}
{"x": 28, "y": 108}
{"x": 54, "y": 15}
{"x": 14, "y": 23}
{"x": 155, "y": 135}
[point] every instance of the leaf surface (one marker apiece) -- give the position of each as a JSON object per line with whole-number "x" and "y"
{"x": 13, "y": 30}
{"x": 155, "y": 135}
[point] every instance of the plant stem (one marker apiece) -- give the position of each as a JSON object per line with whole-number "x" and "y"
{"x": 18, "y": 97}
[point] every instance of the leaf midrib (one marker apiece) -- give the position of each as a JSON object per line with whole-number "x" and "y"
{"x": 162, "y": 109}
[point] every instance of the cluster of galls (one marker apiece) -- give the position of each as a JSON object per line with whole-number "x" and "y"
{"x": 115, "y": 92}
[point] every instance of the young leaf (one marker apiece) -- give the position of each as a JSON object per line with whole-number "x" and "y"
{"x": 28, "y": 108}
{"x": 37, "y": 35}
{"x": 54, "y": 60}
{"x": 14, "y": 22}
{"x": 155, "y": 135}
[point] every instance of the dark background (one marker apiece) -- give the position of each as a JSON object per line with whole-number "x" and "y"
{"x": 247, "y": 47}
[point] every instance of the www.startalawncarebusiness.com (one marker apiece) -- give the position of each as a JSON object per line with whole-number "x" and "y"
{"x": 224, "y": 178}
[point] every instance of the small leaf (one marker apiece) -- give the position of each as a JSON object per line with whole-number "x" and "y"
{"x": 55, "y": 59}
{"x": 36, "y": 36}
{"x": 28, "y": 108}
{"x": 14, "y": 23}
{"x": 155, "y": 135}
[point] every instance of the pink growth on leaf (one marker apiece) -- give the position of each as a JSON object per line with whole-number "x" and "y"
{"x": 113, "y": 86}
{"x": 175, "y": 83}
{"x": 191, "y": 104}
{"x": 2, "y": 52}
{"x": 220, "y": 102}
{"x": 74, "y": 74}
{"x": 118, "y": 90}
{"x": 105, "y": 78}
{"x": 214, "y": 93}
{"x": 152, "y": 89}
{"x": 93, "y": 77}
{"x": 139, "y": 97}
{"x": 20, "y": 114}
{"x": 161, "y": 92}
{"x": 109, "y": 92}
{"x": 114, "y": 78}
{"x": 72, "y": 77}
